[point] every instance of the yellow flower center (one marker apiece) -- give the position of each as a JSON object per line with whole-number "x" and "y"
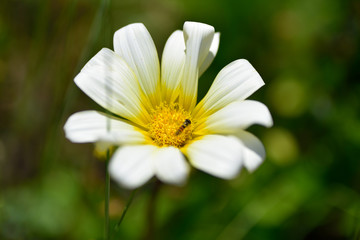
{"x": 170, "y": 125}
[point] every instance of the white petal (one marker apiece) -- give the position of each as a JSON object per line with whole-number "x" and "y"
{"x": 172, "y": 64}
{"x": 170, "y": 165}
{"x": 217, "y": 155}
{"x": 135, "y": 45}
{"x": 235, "y": 82}
{"x": 237, "y": 115}
{"x": 253, "y": 151}
{"x": 92, "y": 126}
{"x": 211, "y": 55}
{"x": 131, "y": 166}
{"x": 110, "y": 61}
{"x": 198, "y": 38}
{"x": 109, "y": 81}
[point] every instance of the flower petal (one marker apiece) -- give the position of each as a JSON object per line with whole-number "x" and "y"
{"x": 198, "y": 38}
{"x": 131, "y": 166}
{"x": 217, "y": 155}
{"x": 172, "y": 64}
{"x": 170, "y": 165}
{"x": 253, "y": 150}
{"x": 236, "y": 115}
{"x": 93, "y": 126}
{"x": 211, "y": 55}
{"x": 109, "y": 81}
{"x": 235, "y": 82}
{"x": 135, "y": 45}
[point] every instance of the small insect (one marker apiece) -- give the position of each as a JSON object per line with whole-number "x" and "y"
{"x": 186, "y": 123}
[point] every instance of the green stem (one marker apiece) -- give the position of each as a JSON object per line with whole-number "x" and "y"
{"x": 125, "y": 209}
{"x": 107, "y": 197}
{"x": 151, "y": 212}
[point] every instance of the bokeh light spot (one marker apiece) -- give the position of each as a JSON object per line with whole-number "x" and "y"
{"x": 281, "y": 146}
{"x": 288, "y": 97}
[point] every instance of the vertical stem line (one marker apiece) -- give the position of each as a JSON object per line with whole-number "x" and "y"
{"x": 107, "y": 197}
{"x": 151, "y": 212}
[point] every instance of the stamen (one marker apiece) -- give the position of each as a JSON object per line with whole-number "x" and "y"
{"x": 167, "y": 119}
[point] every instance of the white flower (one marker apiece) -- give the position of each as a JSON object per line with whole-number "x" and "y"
{"x": 155, "y": 121}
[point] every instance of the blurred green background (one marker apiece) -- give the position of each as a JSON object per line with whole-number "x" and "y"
{"x": 307, "y": 52}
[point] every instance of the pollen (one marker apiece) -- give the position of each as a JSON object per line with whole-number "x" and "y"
{"x": 170, "y": 126}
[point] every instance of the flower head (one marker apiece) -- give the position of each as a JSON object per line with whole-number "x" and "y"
{"x": 156, "y": 122}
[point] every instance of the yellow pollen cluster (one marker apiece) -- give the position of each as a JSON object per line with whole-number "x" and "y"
{"x": 167, "y": 126}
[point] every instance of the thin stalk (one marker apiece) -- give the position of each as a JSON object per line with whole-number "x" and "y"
{"x": 151, "y": 212}
{"x": 107, "y": 197}
{"x": 125, "y": 209}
